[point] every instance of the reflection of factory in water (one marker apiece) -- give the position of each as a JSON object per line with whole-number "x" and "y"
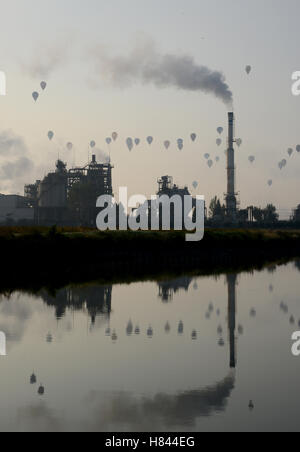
{"x": 167, "y": 289}
{"x": 97, "y": 302}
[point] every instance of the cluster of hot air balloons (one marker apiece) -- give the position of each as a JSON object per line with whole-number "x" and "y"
{"x": 36, "y": 94}
{"x": 33, "y": 381}
{"x": 130, "y": 142}
{"x": 285, "y": 309}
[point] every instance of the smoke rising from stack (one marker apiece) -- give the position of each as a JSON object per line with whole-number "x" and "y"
{"x": 146, "y": 65}
{"x": 15, "y": 163}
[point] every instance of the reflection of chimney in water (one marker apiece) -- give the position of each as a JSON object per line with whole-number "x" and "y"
{"x": 232, "y": 281}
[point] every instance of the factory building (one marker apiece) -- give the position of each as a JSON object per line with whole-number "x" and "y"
{"x": 68, "y": 197}
{"x": 14, "y": 209}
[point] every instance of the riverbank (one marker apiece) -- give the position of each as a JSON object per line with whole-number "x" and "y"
{"x": 53, "y": 258}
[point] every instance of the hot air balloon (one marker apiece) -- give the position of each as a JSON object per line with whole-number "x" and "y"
{"x": 43, "y": 85}
{"x": 114, "y": 136}
{"x": 108, "y": 141}
{"x": 167, "y": 144}
{"x": 253, "y": 313}
{"x": 129, "y": 143}
{"x": 92, "y": 144}
{"x": 248, "y": 69}
{"x": 150, "y": 140}
{"x": 219, "y": 142}
{"x": 195, "y": 185}
{"x": 290, "y": 151}
{"x": 137, "y": 141}
{"x": 206, "y": 156}
{"x": 251, "y": 159}
{"x": 298, "y": 148}
{"x": 193, "y": 137}
{"x": 114, "y": 336}
{"x": 239, "y": 142}
{"x": 35, "y": 96}
{"x": 50, "y": 135}
{"x": 180, "y": 144}
{"x": 70, "y": 146}
{"x": 284, "y": 162}
{"x": 210, "y": 163}
{"x": 280, "y": 165}
{"x": 270, "y": 183}
{"x": 220, "y": 130}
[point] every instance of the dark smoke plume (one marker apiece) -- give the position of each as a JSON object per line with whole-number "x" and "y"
{"x": 145, "y": 65}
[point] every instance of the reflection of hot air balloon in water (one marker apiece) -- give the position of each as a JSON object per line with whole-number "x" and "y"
{"x": 150, "y": 332}
{"x": 35, "y": 96}
{"x": 149, "y": 140}
{"x": 180, "y": 327}
{"x": 180, "y": 144}
{"x": 33, "y": 379}
{"x": 137, "y": 331}
{"x": 41, "y": 390}
{"x": 129, "y": 143}
{"x": 194, "y": 335}
{"x": 220, "y": 330}
{"x": 129, "y": 329}
{"x": 114, "y": 336}
{"x": 167, "y": 328}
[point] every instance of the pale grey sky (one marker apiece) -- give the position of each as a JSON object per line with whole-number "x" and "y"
{"x": 57, "y": 40}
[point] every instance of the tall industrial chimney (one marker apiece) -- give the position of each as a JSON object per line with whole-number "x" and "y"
{"x": 231, "y": 201}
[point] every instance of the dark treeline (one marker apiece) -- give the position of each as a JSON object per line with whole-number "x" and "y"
{"x": 54, "y": 258}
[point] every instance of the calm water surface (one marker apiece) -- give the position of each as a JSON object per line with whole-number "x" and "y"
{"x": 187, "y": 354}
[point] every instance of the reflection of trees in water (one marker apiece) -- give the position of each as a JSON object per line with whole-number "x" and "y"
{"x": 168, "y": 288}
{"x": 95, "y": 299}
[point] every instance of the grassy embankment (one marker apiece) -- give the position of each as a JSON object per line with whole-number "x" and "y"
{"x": 43, "y": 257}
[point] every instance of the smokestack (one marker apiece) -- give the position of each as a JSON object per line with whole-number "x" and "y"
{"x": 231, "y": 202}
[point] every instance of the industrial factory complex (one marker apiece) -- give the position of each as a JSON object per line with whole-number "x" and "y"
{"x": 67, "y": 197}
